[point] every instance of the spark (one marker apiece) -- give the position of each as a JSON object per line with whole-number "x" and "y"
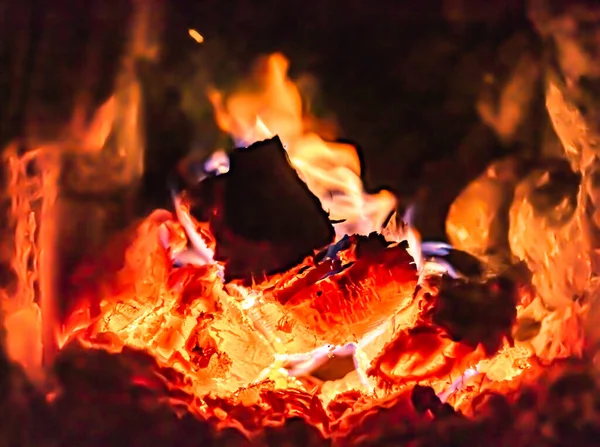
{"x": 199, "y": 38}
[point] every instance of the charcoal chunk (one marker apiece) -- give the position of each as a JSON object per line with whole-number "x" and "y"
{"x": 264, "y": 217}
{"x": 477, "y": 312}
{"x": 424, "y": 398}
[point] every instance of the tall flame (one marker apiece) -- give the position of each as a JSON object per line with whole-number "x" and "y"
{"x": 103, "y": 154}
{"x": 32, "y": 187}
{"x": 270, "y": 103}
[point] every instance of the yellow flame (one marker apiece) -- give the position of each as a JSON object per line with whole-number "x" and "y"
{"x": 270, "y": 103}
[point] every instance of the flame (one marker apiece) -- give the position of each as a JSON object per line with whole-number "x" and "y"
{"x": 35, "y": 172}
{"x": 28, "y": 304}
{"x": 272, "y": 104}
{"x": 33, "y": 187}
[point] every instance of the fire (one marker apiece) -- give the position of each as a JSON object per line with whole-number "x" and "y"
{"x": 377, "y": 298}
{"x": 271, "y": 104}
{"x": 85, "y": 159}
{"x": 32, "y": 185}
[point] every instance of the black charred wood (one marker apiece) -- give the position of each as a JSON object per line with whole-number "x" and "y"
{"x": 477, "y": 312}
{"x": 424, "y": 398}
{"x": 264, "y": 217}
{"x": 466, "y": 264}
{"x": 266, "y": 200}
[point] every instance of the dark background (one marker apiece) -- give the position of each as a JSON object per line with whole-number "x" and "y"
{"x": 401, "y": 77}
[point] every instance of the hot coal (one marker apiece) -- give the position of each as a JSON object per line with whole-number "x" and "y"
{"x": 461, "y": 322}
{"x": 126, "y": 399}
{"x": 346, "y": 294}
{"x": 263, "y": 216}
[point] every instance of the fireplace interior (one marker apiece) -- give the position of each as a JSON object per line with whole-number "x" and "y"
{"x": 324, "y": 224}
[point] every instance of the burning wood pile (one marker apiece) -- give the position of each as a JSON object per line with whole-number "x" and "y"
{"x": 279, "y": 303}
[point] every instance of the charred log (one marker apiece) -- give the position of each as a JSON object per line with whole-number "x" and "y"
{"x": 264, "y": 217}
{"x": 461, "y": 323}
{"x": 475, "y": 313}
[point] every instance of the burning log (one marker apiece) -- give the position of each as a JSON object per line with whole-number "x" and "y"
{"x": 461, "y": 322}
{"x": 271, "y": 104}
{"x": 264, "y": 218}
{"x": 338, "y": 296}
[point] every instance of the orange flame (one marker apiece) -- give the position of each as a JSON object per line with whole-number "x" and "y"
{"x": 271, "y": 104}
{"x": 30, "y": 307}
{"x": 32, "y": 187}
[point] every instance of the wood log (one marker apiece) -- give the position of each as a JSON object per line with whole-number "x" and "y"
{"x": 264, "y": 218}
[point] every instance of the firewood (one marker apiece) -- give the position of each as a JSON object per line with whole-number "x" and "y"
{"x": 337, "y": 299}
{"x": 264, "y": 217}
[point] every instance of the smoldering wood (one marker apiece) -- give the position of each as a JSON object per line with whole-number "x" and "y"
{"x": 477, "y": 312}
{"x": 264, "y": 218}
{"x": 572, "y": 76}
{"x": 553, "y": 225}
